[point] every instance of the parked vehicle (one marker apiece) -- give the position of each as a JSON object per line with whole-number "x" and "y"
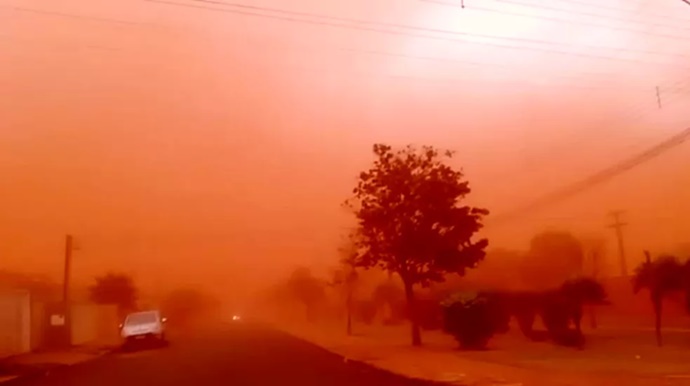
{"x": 144, "y": 326}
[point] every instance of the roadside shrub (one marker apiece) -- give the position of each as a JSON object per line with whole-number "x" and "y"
{"x": 364, "y": 311}
{"x": 557, "y": 313}
{"x": 473, "y": 318}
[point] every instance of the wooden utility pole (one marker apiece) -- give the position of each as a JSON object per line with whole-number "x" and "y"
{"x": 68, "y": 263}
{"x": 658, "y": 97}
{"x": 618, "y": 227}
{"x": 69, "y": 248}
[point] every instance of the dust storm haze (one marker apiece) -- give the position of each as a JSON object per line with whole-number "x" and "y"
{"x": 211, "y": 143}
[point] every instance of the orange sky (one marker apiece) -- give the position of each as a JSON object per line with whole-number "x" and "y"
{"x": 186, "y": 144}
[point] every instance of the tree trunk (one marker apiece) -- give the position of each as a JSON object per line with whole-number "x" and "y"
{"x": 349, "y": 313}
{"x": 412, "y": 310}
{"x": 593, "y": 317}
{"x": 657, "y": 301}
{"x": 577, "y": 318}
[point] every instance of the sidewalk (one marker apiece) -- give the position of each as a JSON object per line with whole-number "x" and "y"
{"x": 40, "y": 362}
{"x": 512, "y": 361}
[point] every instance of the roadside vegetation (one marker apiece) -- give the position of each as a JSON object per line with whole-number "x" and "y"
{"x": 416, "y": 256}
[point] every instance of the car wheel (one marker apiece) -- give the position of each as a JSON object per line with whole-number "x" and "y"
{"x": 163, "y": 340}
{"x": 127, "y": 344}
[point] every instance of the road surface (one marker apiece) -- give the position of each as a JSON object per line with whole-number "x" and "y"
{"x": 238, "y": 355}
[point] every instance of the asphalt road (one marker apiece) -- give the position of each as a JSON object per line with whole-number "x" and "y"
{"x": 238, "y": 355}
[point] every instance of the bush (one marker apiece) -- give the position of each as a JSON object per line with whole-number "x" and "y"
{"x": 557, "y": 313}
{"x": 473, "y": 318}
{"x": 364, "y": 311}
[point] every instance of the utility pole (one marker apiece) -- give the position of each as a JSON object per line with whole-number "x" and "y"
{"x": 618, "y": 227}
{"x": 596, "y": 261}
{"x": 68, "y": 263}
{"x": 69, "y": 248}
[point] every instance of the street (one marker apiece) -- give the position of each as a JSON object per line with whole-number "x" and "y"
{"x": 241, "y": 354}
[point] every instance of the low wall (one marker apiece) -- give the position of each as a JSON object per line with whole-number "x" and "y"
{"x": 15, "y": 323}
{"x": 94, "y": 324}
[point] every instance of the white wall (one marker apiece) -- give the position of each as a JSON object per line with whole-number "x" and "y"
{"x": 15, "y": 323}
{"x": 94, "y": 324}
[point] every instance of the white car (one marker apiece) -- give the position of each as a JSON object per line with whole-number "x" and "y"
{"x": 144, "y": 325}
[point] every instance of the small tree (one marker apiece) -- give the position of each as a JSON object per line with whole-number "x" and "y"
{"x": 117, "y": 289}
{"x": 594, "y": 249}
{"x": 553, "y": 257}
{"x": 473, "y": 318}
{"x": 309, "y": 290}
{"x": 410, "y": 220}
{"x": 347, "y": 277}
{"x": 660, "y": 277}
{"x": 580, "y": 292}
{"x": 388, "y": 293}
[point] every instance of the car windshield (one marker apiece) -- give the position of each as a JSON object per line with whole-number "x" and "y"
{"x": 141, "y": 318}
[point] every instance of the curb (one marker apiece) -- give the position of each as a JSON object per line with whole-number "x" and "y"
{"x": 363, "y": 365}
{"x": 20, "y": 372}
{"x": 24, "y": 372}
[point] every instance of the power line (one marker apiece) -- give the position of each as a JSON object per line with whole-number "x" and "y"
{"x": 591, "y": 14}
{"x": 75, "y": 16}
{"x": 389, "y": 28}
{"x": 372, "y": 52}
{"x": 557, "y": 151}
{"x": 660, "y": 16}
{"x": 597, "y": 178}
{"x": 130, "y": 23}
{"x": 447, "y": 81}
{"x": 640, "y": 113}
{"x": 532, "y": 41}
{"x": 467, "y": 6}
{"x": 397, "y": 25}
{"x": 503, "y": 66}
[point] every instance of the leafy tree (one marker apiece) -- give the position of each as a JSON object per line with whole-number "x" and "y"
{"x": 594, "y": 254}
{"x": 686, "y": 284}
{"x": 594, "y": 249}
{"x": 660, "y": 277}
{"x": 310, "y": 291}
{"x": 346, "y": 276}
{"x": 388, "y": 293}
{"x": 580, "y": 292}
{"x": 117, "y": 289}
{"x": 410, "y": 221}
{"x": 473, "y": 318}
{"x": 553, "y": 258}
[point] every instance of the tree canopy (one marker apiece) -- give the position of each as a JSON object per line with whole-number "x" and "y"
{"x": 661, "y": 277}
{"x": 553, "y": 257}
{"x": 115, "y": 288}
{"x": 411, "y": 220}
{"x": 310, "y": 291}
